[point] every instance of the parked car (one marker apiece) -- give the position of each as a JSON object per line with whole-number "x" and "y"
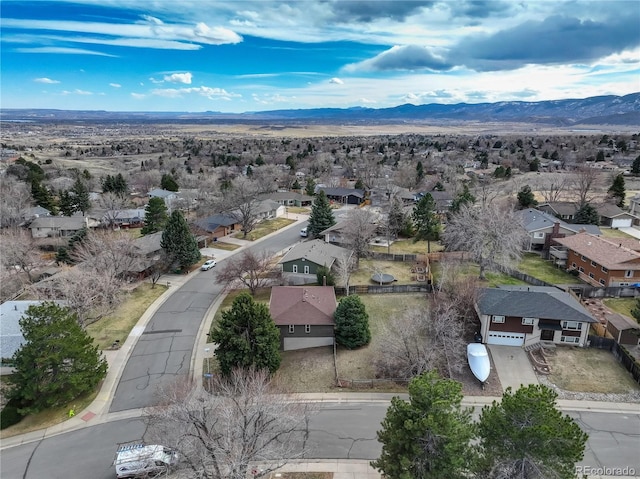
{"x": 208, "y": 264}
{"x": 304, "y": 233}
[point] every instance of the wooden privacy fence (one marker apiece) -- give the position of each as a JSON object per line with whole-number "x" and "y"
{"x": 382, "y": 289}
{"x": 394, "y": 257}
{"x": 621, "y": 354}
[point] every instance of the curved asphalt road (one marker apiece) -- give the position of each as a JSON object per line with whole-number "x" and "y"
{"x": 163, "y": 350}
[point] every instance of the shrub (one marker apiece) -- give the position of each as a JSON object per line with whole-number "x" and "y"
{"x": 9, "y": 416}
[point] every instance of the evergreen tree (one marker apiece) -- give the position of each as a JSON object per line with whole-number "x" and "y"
{"x": 66, "y": 203}
{"x": 325, "y": 277}
{"x": 80, "y": 194}
{"x": 309, "y": 187}
{"x": 57, "y": 362}
{"x": 155, "y": 216}
{"x": 425, "y": 220}
{"x": 428, "y": 436}
{"x": 42, "y": 197}
{"x": 635, "y": 311}
{"x": 587, "y": 215}
{"x": 247, "y": 337}
{"x": 295, "y": 185}
{"x": 321, "y": 216}
{"x": 463, "y": 198}
{"x": 62, "y": 256}
{"x": 359, "y": 185}
{"x": 169, "y": 183}
{"x": 617, "y": 190}
{"x": 526, "y": 198}
{"x": 178, "y": 242}
{"x": 635, "y": 167}
{"x": 419, "y": 172}
{"x": 526, "y": 436}
{"x": 352, "y": 323}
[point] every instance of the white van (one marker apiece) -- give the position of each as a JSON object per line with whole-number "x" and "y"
{"x": 136, "y": 460}
{"x": 304, "y": 233}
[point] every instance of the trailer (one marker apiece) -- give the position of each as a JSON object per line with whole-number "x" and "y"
{"x": 139, "y": 460}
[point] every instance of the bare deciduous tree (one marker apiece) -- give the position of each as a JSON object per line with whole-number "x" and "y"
{"x": 253, "y": 270}
{"x": 112, "y": 203}
{"x": 553, "y": 186}
{"x": 246, "y": 425}
{"x": 584, "y": 180}
{"x": 14, "y": 201}
{"x": 241, "y": 202}
{"x": 113, "y": 253}
{"x": 423, "y": 339}
{"x": 90, "y": 293}
{"x": 19, "y": 252}
{"x": 360, "y": 228}
{"x": 493, "y": 236}
{"x": 345, "y": 265}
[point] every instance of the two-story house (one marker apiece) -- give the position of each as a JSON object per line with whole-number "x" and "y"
{"x": 601, "y": 261}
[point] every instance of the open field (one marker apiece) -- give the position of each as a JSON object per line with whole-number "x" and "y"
{"x": 589, "y": 370}
{"x": 117, "y": 325}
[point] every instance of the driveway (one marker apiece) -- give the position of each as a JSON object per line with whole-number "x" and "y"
{"x": 513, "y": 366}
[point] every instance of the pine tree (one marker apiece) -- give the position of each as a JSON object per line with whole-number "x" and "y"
{"x": 155, "y": 216}
{"x": 57, "y": 362}
{"x": 587, "y": 215}
{"x": 429, "y": 435}
{"x": 426, "y": 222}
{"x": 321, "y": 216}
{"x": 526, "y": 198}
{"x": 352, "y": 323}
{"x": 635, "y": 167}
{"x": 169, "y": 183}
{"x": 617, "y": 190}
{"x": 526, "y": 435}
{"x": 247, "y": 337}
{"x": 178, "y": 242}
{"x": 463, "y": 198}
{"x": 80, "y": 194}
{"x": 309, "y": 187}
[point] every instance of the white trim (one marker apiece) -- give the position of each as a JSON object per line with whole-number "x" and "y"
{"x": 292, "y": 329}
{"x": 528, "y": 321}
{"x": 497, "y": 319}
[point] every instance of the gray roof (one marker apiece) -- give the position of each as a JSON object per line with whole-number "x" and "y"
{"x": 160, "y": 193}
{"x": 535, "y": 220}
{"x": 212, "y": 222}
{"x": 149, "y": 243}
{"x": 69, "y": 223}
{"x": 10, "y": 313}
{"x": 342, "y": 192}
{"x": 267, "y": 206}
{"x": 286, "y": 195}
{"x": 316, "y": 251}
{"x": 533, "y": 302}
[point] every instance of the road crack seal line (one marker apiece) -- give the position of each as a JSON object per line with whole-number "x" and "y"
{"x": 26, "y": 468}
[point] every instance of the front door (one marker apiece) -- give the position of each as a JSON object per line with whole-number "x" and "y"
{"x": 547, "y": 335}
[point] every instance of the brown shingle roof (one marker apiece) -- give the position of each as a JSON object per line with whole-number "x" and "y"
{"x": 312, "y": 305}
{"x": 611, "y": 254}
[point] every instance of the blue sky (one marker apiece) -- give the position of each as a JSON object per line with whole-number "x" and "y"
{"x": 255, "y": 55}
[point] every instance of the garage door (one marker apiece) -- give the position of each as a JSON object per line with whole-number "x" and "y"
{"x": 505, "y": 339}
{"x": 621, "y": 223}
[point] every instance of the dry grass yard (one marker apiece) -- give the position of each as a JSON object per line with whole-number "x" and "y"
{"x": 589, "y": 370}
{"x": 408, "y": 246}
{"x": 265, "y": 228}
{"x": 307, "y": 370}
{"x": 117, "y": 325}
{"x": 621, "y": 305}
{"x": 400, "y": 271}
{"x": 223, "y": 245}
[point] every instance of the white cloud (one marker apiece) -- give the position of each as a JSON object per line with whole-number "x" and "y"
{"x": 208, "y": 92}
{"x": 62, "y": 51}
{"x": 77, "y": 92}
{"x": 153, "y": 80}
{"x": 336, "y": 80}
{"x": 115, "y": 85}
{"x": 139, "y": 96}
{"x": 179, "y": 78}
{"x": 45, "y": 80}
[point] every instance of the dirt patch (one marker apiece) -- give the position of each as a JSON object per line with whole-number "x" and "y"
{"x": 308, "y": 370}
{"x": 472, "y": 387}
{"x": 589, "y": 370}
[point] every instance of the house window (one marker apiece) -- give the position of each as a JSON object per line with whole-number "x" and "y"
{"x": 538, "y": 235}
{"x": 570, "y": 339}
{"x": 295, "y": 268}
{"x": 307, "y": 328}
{"x": 583, "y": 258}
{"x": 292, "y": 329}
{"x": 527, "y": 321}
{"x": 605, "y": 270}
{"x": 603, "y": 282}
{"x": 581, "y": 269}
{"x": 623, "y": 284}
{"x": 497, "y": 319}
{"x": 306, "y": 269}
{"x": 572, "y": 325}
{"x": 593, "y": 263}
{"x": 573, "y": 265}
{"x": 591, "y": 275}
{"x": 628, "y": 274}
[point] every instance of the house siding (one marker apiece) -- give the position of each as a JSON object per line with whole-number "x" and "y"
{"x": 593, "y": 274}
{"x": 511, "y": 324}
{"x": 317, "y": 332}
{"x": 287, "y": 267}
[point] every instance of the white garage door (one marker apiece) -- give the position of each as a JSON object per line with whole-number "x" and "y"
{"x": 505, "y": 339}
{"x": 621, "y": 223}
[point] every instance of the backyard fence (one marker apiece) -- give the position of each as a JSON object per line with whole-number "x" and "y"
{"x": 528, "y": 279}
{"x": 406, "y": 258}
{"x": 611, "y": 292}
{"x": 383, "y": 289}
{"x": 621, "y": 354}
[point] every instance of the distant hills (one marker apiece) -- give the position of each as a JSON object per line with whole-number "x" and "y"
{"x": 598, "y": 110}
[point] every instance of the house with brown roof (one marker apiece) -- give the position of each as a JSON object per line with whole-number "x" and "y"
{"x": 623, "y": 329}
{"x": 600, "y": 261}
{"x": 304, "y": 315}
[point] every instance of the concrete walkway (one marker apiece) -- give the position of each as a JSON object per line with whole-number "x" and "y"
{"x": 513, "y": 366}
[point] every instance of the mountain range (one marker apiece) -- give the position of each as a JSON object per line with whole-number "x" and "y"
{"x": 598, "y": 110}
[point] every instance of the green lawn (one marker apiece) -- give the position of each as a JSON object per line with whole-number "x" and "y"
{"x": 223, "y": 245}
{"x": 613, "y": 233}
{"x": 408, "y": 246}
{"x": 492, "y": 280}
{"x": 621, "y": 305}
{"x": 533, "y": 265}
